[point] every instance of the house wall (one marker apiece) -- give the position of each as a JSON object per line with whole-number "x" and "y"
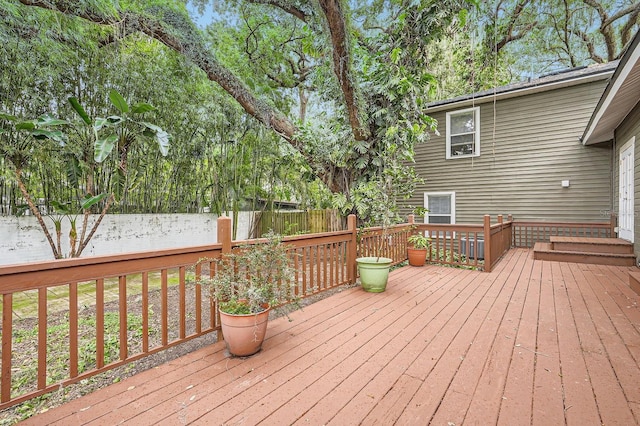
{"x": 528, "y": 147}
{"x": 629, "y": 128}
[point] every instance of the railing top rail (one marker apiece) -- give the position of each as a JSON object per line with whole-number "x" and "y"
{"x": 304, "y": 239}
{"x": 36, "y": 275}
{"x": 397, "y": 227}
{"x": 62, "y": 271}
{"x": 449, "y": 227}
{"x": 563, "y": 224}
{"x": 58, "y": 264}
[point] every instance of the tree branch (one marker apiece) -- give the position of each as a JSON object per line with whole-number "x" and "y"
{"x": 189, "y": 43}
{"x": 342, "y": 65}
{"x": 286, "y": 7}
{"x": 179, "y": 34}
{"x": 83, "y": 241}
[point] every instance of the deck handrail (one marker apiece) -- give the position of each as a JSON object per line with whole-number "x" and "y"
{"x": 154, "y": 283}
{"x": 322, "y": 261}
{"x": 527, "y": 233}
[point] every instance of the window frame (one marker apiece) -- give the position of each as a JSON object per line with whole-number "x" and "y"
{"x": 452, "y": 215}
{"x": 476, "y": 132}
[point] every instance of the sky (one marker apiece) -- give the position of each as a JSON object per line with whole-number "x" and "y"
{"x": 204, "y": 19}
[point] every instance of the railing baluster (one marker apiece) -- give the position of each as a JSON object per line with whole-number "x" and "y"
{"x": 145, "y": 312}
{"x": 324, "y": 261}
{"x": 183, "y": 302}
{"x": 332, "y": 265}
{"x": 7, "y": 335}
{"x": 73, "y": 329}
{"x": 305, "y": 261}
{"x": 318, "y": 269}
{"x": 100, "y": 323}
{"x": 296, "y": 268}
{"x": 122, "y": 300}
{"x": 165, "y": 306}
{"x": 312, "y": 278}
{"x": 42, "y": 337}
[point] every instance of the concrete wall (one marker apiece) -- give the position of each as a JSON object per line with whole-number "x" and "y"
{"x": 22, "y": 240}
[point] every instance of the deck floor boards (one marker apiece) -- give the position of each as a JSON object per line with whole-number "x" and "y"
{"x": 533, "y": 342}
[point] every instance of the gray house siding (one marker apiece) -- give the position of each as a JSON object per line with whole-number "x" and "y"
{"x": 528, "y": 147}
{"x": 629, "y": 128}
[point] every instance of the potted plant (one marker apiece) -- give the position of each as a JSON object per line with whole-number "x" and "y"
{"x": 246, "y": 285}
{"x": 373, "y": 265}
{"x": 419, "y": 245}
{"x": 374, "y": 273}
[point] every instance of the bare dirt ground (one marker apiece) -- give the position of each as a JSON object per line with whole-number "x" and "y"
{"x": 24, "y": 360}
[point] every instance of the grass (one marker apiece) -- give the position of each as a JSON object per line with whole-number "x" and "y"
{"x": 25, "y": 303}
{"x": 25, "y": 370}
{"x": 25, "y": 332}
{"x": 25, "y": 373}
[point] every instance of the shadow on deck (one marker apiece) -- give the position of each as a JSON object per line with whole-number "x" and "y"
{"x": 531, "y": 342}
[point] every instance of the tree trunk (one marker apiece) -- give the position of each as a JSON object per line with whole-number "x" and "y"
{"x": 36, "y": 213}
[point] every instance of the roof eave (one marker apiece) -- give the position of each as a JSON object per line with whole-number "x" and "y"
{"x": 490, "y": 97}
{"x": 595, "y": 132}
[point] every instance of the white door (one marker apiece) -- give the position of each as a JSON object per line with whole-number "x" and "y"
{"x": 626, "y": 196}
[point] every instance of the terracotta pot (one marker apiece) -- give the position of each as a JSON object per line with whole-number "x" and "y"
{"x": 244, "y": 334}
{"x": 417, "y": 257}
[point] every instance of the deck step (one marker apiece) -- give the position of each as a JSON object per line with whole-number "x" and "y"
{"x": 634, "y": 281}
{"x": 548, "y": 251}
{"x": 591, "y": 245}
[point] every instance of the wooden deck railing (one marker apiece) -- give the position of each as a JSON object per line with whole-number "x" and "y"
{"x": 527, "y": 233}
{"x": 107, "y": 311}
{"x": 118, "y": 309}
{"x": 467, "y": 246}
{"x": 390, "y": 242}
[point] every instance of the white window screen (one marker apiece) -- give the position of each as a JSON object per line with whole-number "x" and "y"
{"x": 441, "y": 206}
{"x": 463, "y": 133}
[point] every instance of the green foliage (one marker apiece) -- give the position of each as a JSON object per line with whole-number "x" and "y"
{"x": 251, "y": 278}
{"x": 57, "y": 341}
{"x": 121, "y": 129}
{"x": 451, "y": 259}
{"x": 419, "y": 241}
{"x": 400, "y": 55}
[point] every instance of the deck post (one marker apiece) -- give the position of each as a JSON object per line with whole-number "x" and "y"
{"x": 613, "y": 222}
{"x": 224, "y": 233}
{"x": 501, "y": 222}
{"x": 487, "y": 243}
{"x": 411, "y": 219}
{"x": 352, "y": 249}
{"x": 224, "y": 238}
{"x": 512, "y": 243}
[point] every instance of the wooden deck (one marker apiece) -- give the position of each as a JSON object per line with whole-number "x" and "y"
{"x": 534, "y": 342}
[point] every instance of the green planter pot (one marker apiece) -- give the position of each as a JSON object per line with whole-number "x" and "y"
{"x": 374, "y": 273}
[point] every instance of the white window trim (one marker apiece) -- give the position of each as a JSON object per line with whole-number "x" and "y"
{"x": 452, "y": 194}
{"x": 476, "y": 123}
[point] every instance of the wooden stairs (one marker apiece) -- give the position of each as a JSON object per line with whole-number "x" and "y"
{"x": 634, "y": 281}
{"x": 601, "y": 251}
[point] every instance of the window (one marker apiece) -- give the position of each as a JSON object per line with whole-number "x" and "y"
{"x": 463, "y": 133}
{"x": 442, "y": 208}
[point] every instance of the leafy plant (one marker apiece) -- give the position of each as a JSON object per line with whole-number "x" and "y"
{"x": 251, "y": 279}
{"x": 419, "y": 241}
{"x": 22, "y": 140}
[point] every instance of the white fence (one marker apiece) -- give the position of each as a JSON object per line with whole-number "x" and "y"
{"x": 22, "y": 239}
